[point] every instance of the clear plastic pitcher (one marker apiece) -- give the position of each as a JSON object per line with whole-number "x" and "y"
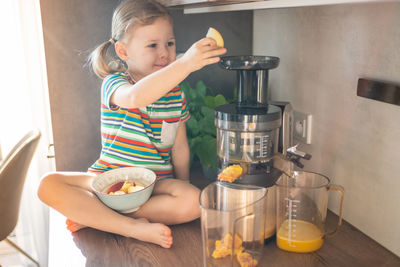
{"x": 232, "y": 224}
{"x": 302, "y": 202}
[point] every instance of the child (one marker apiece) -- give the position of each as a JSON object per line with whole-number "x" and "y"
{"x": 142, "y": 124}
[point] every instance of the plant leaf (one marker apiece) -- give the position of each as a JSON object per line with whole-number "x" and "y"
{"x": 206, "y": 121}
{"x": 192, "y": 127}
{"x": 207, "y": 127}
{"x": 185, "y": 86}
{"x": 207, "y": 152}
{"x": 210, "y": 101}
{"x": 198, "y": 102}
{"x": 201, "y": 88}
{"x": 207, "y": 112}
{"x": 220, "y": 100}
{"x": 200, "y": 127}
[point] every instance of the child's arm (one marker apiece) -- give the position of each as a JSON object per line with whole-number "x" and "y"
{"x": 180, "y": 153}
{"x": 152, "y": 87}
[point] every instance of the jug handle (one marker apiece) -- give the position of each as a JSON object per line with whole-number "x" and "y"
{"x": 339, "y": 189}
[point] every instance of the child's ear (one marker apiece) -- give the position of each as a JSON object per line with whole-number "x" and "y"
{"x": 120, "y": 50}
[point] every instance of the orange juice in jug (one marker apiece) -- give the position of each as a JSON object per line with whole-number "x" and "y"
{"x": 299, "y": 236}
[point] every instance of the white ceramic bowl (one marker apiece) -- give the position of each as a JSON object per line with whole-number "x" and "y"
{"x": 128, "y": 202}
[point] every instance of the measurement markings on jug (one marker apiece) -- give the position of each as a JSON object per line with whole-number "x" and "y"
{"x": 291, "y": 209}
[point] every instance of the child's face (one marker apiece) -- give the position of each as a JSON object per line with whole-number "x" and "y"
{"x": 150, "y": 48}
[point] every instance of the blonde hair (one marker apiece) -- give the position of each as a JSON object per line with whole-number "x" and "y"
{"x": 127, "y": 15}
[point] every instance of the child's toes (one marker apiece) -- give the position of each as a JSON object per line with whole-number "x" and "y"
{"x": 167, "y": 243}
{"x": 167, "y": 232}
{"x": 167, "y": 239}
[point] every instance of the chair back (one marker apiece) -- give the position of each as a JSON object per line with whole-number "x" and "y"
{"x": 13, "y": 170}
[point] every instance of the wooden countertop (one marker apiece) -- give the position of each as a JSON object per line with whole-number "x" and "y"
{"x": 90, "y": 247}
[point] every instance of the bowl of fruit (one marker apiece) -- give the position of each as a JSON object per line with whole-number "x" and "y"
{"x": 124, "y": 189}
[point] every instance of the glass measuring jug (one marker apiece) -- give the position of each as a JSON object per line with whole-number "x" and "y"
{"x": 302, "y": 202}
{"x": 232, "y": 224}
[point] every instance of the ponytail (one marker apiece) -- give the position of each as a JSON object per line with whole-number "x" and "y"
{"x": 99, "y": 58}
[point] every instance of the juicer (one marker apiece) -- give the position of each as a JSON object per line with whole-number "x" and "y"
{"x": 251, "y": 131}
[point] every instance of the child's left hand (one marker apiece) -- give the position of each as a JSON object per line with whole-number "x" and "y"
{"x": 202, "y": 53}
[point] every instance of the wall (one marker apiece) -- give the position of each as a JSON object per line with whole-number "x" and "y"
{"x": 356, "y": 141}
{"x": 72, "y": 29}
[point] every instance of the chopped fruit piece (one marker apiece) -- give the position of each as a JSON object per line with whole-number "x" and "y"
{"x": 246, "y": 260}
{"x": 126, "y": 186}
{"x": 223, "y": 247}
{"x": 227, "y": 241}
{"x": 115, "y": 187}
{"x": 213, "y": 33}
{"x": 135, "y": 188}
{"x": 221, "y": 253}
{"x": 231, "y": 173}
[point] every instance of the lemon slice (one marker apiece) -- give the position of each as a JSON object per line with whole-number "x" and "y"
{"x": 213, "y": 33}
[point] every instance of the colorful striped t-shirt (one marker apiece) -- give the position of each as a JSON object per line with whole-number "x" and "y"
{"x": 140, "y": 137}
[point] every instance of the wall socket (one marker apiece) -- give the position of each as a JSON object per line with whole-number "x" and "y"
{"x": 302, "y": 127}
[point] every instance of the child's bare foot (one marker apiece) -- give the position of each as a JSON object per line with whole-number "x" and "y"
{"x": 73, "y": 226}
{"x": 143, "y": 230}
{"x": 156, "y": 233}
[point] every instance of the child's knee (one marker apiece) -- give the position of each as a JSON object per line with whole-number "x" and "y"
{"x": 192, "y": 195}
{"x": 46, "y": 183}
{"x": 191, "y": 203}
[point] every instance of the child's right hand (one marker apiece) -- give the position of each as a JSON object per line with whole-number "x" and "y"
{"x": 202, "y": 53}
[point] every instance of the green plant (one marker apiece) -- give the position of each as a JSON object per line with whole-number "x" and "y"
{"x": 200, "y": 127}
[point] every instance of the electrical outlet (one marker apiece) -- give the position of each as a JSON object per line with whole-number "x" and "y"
{"x": 302, "y": 127}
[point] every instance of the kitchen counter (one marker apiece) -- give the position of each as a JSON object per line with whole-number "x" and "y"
{"x": 90, "y": 247}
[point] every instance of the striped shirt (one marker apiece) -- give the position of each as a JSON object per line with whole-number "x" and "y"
{"x": 141, "y": 137}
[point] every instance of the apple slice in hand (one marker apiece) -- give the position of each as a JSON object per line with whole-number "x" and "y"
{"x": 213, "y": 33}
